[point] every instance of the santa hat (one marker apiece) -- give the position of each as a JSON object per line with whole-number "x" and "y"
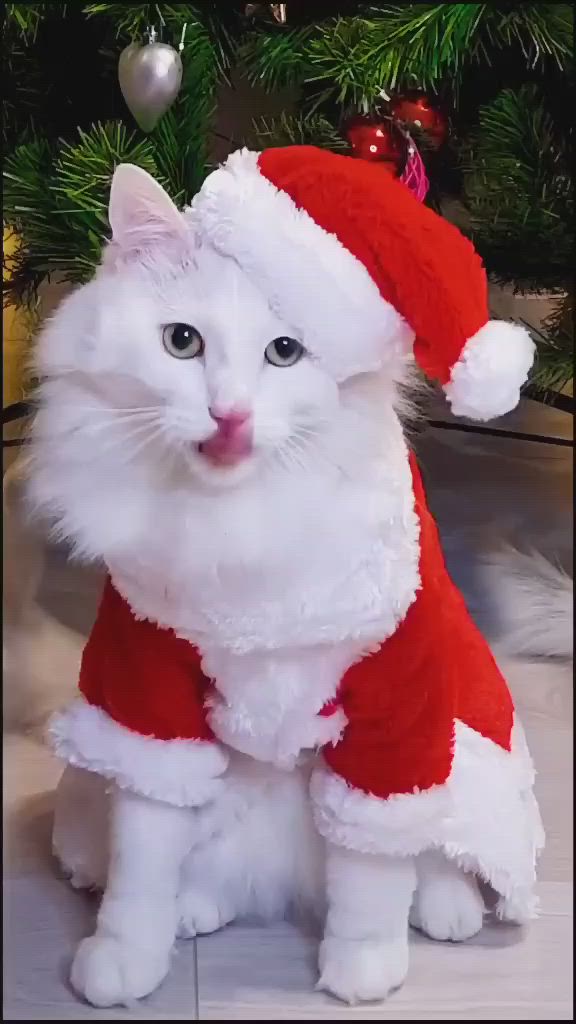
{"x": 350, "y": 259}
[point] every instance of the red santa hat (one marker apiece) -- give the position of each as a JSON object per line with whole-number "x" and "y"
{"x": 364, "y": 272}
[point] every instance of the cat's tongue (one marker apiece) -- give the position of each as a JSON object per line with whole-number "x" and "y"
{"x": 228, "y": 446}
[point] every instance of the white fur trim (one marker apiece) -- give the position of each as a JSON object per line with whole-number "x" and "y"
{"x": 298, "y": 733}
{"x": 268, "y": 705}
{"x": 180, "y": 772}
{"x": 493, "y": 366}
{"x": 309, "y": 278}
{"x": 298, "y": 730}
{"x": 484, "y": 817}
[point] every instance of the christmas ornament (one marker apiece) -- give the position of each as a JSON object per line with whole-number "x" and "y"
{"x": 276, "y": 12}
{"x": 150, "y": 77}
{"x": 377, "y": 139}
{"x": 414, "y": 174}
{"x": 416, "y": 110}
{"x": 380, "y": 139}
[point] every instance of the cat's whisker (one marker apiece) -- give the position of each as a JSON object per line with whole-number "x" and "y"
{"x": 124, "y": 440}
{"x": 117, "y": 414}
{"x": 184, "y": 452}
{"x": 183, "y": 422}
{"x": 121, "y": 421}
{"x": 174, "y": 450}
{"x": 295, "y": 456}
{"x": 291, "y": 456}
{"x": 156, "y": 435}
{"x": 113, "y": 410}
{"x": 285, "y": 460}
{"x": 132, "y": 450}
{"x": 306, "y": 445}
{"x": 317, "y": 455}
{"x": 105, "y": 424}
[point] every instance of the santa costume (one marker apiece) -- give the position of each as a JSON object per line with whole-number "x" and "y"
{"x": 416, "y": 741}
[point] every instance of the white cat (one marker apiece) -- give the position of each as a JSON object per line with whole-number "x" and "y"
{"x": 257, "y": 499}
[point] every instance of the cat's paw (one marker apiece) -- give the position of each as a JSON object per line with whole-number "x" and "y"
{"x": 448, "y": 909}
{"x": 107, "y": 972}
{"x": 362, "y": 970}
{"x": 200, "y": 914}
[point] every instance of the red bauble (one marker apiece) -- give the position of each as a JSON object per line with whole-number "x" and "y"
{"x": 377, "y": 139}
{"x": 417, "y": 110}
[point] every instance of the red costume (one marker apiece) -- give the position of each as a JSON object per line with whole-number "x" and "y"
{"x": 429, "y": 753}
{"x": 400, "y": 703}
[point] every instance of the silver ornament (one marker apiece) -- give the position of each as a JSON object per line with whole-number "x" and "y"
{"x": 150, "y": 77}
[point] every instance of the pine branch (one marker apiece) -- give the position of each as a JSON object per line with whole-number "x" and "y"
{"x": 402, "y": 42}
{"x": 57, "y": 203}
{"x": 296, "y": 130}
{"x": 442, "y": 37}
{"x": 132, "y": 20}
{"x": 22, "y": 96}
{"x": 276, "y": 60}
{"x": 27, "y": 212}
{"x": 518, "y": 191}
{"x": 343, "y": 65}
{"x": 541, "y": 30}
{"x": 554, "y": 366}
{"x": 25, "y": 87}
{"x": 24, "y": 19}
{"x": 393, "y": 46}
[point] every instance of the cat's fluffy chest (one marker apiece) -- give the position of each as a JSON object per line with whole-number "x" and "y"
{"x": 279, "y": 570}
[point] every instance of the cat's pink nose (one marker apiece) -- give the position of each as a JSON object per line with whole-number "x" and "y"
{"x": 228, "y": 419}
{"x": 233, "y": 439}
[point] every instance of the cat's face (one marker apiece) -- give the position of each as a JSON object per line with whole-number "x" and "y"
{"x": 198, "y": 366}
{"x": 171, "y": 356}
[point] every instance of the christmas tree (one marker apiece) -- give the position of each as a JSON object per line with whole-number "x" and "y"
{"x": 483, "y": 91}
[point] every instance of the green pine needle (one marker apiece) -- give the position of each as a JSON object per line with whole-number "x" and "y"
{"x": 24, "y": 19}
{"x": 519, "y": 193}
{"x": 278, "y": 60}
{"x": 57, "y": 203}
{"x": 393, "y": 46}
{"x": 297, "y": 130}
{"x": 554, "y": 366}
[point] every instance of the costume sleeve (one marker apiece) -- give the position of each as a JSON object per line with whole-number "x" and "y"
{"x": 382, "y": 787}
{"x": 144, "y": 677}
{"x": 400, "y": 719}
{"x": 140, "y": 719}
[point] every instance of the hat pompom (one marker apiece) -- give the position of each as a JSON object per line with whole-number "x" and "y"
{"x": 493, "y": 366}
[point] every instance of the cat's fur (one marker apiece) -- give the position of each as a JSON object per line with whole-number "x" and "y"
{"x": 534, "y": 603}
{"x": 118, "y": 469}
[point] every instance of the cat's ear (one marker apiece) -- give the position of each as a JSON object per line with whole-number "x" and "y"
{"x": 140, "y": 212}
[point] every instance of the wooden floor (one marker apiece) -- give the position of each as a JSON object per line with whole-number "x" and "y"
{"x": 247, "y": 972}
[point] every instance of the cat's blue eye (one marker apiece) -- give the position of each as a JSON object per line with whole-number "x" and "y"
{"x": 283, "y": 352}
{"x": 182, "y": 341}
